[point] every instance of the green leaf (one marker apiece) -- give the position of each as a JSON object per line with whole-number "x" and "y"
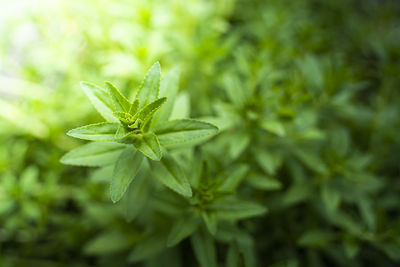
{"x": 181, "y": 107}
{"x": 149, "y": 146}
{"x": 137, "y": 195}
{"x": 106, "y": 243}
{"x": 169, "y": 89}
{"x": 264, "y": 182}
{"x": 100, "y": 99}
{"x": 134, "y": 107}
{"x": 211, "y": 221}
{"x": 274, "y": 127}
{"x": 235, "y": 90}
{"x": 182, "y": 228}
{"x": 94, "y": 154}
{"x": 330, "y": 198}
{"x": 312, "y": 160}
{"x": 315, "y": 238}
{"x": 125, "y": 170}
{"x": 120, "y": 102}
{"x": 234, "y": 209}
{"x": 146, "y": 112}
{"x": 147, "y": 248}
{"x": 204, "y": 249}
{"x": 238, "y": 141}
{"x": 121, "y": 133}
{"x": 168, "y": 172}
{"x": 351, "y": 247}
{"x": 103, "y": 131}
{"x": 183, "y": 131}
{"x": 232, "y": 178}
{"x": 149, "y": 89}
{"x": 297, "y": 193}
{"x": 269, "y": 161}
{"x": 232, "y": 256}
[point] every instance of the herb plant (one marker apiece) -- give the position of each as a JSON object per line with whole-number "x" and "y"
{"x": 137, "y": 130}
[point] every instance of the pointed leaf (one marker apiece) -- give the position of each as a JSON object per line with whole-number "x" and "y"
{"x": 149, "y": 146}
{"x": 137, "y": 195}
{"x": 103, "y": 131}
{"x": 120, "y": 102}
{"x": 274, "y": 127}
{"x": 94, "y": 154}
{"x": 168, "y": 172}
{"x": 182, "y": 228}
{"x": 211, "y": 221}
{"x": 234, "y": 209}
{"x": 106, "y": 243}
{"x": 182, "y": 131}
{"x": 146, "y": 112}
{"x": 232, "y": 178}
{"x": 147, "y": 248}
{"x": 169, "y": 89}
{"x": 263, "y": 182}
{"x": 134, "y": 107}
{"x": 204, "y": 249}
{"x": 269, "y": 161}
{"x": 125, "y": 170}
{"x": 148, "y": 91}
{"x": 100, "y": 99}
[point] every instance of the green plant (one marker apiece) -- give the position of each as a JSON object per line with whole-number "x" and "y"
{"x": 135, "y": 130}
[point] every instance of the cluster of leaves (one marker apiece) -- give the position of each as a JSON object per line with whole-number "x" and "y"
{"x": 303, "y": 170}
{"x": 137, "y": 130}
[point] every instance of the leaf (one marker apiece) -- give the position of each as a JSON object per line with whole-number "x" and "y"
{"x": 120, "y": 102}
{"x": 100, "y": 100}
{"x": 125, "y": 170}
{"x": 149, "y": 146}
{"x": 136, "y": 195}
{"x": 147, "y": 248}
{"x": 168, "y": 172}
{"x": 232, "y": 178}
{"x": 367, "y": 212}
{"x": 29, "y": 179}
{"x": 182, "y": 131}
{"x": 264, "y": 182}
{"x": 238, "y": 142}
{"x": 107, "y": 243}
{"x": 312, "y": 160}
{"x": 181, "y": 107}
{"x": 330, "y": 198}
{"x": 182, "y": 228}
{"x": 211, "y": 221}
{"x": 315, "y": 238}
{"x": 148, "y": 91}
{"x": 351, "y": 247}
{"x": 269, "y": 161}
{"x": 121, "y": 133}
{"x": 234, "y": 209}
{"x": 274, "y": 127}
{"x": 103, "y": 131}
{"x": 204, "y": 249}
{"x": 235, "y": 90}
{"x": 146, "y": 112}
{"x": 134, "y": 107}
{"x": 232, "y": 256}
{"x": 169, "y": 89}
{"x": 94, "y": 154}
{"x": 296, "y": 193}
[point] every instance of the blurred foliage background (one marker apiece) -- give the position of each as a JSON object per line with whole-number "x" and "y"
{"x": 319, "y": 131}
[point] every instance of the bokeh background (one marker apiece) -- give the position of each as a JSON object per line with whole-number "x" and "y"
{"x": 334, "y": 64}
